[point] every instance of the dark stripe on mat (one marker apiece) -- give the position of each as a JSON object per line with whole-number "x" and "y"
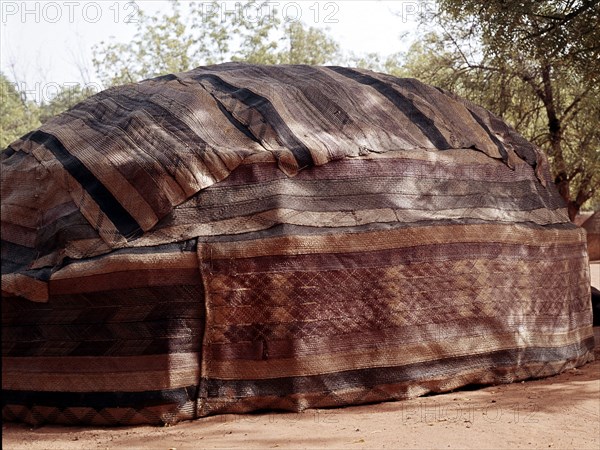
{"x": 403, "y": 103}
{"x": 15, "y": 257}
{"x": 109, "y": 205}
{"x": 100, "y": 400}
{"x": 8, "y": 152}
{"x": 113, "y": 347}
{"x": 236, "y": 123}
{"x": 269, "y": 113}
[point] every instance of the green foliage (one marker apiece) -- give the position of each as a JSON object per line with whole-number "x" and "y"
{"x": 306, "y": 46}
{"x": 162, "y": 44}
{"x": 17, "y": 116}
{"x": 176, "y": 42}
{"x": 65, "y": 98}
{"x": 534, "y": 63}
{"x": 258, "y": 44}
{"x": 374, "y": 61}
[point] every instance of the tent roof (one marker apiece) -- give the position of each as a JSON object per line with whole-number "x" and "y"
{"x": 164, "y": 139}
{"x": 123, "y": 160}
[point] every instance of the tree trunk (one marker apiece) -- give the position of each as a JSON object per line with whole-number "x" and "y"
{"x": 562, "y": 184}
{"x": 562, "y": 179}
{"x": 573, "y": 209}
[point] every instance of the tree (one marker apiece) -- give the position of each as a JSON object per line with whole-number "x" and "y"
{"x": 65, "y": 98}
{"x": 162, "y": 44}
{"x": 17, "y": 115}
{"x": 297, "y": 45}
{"x": 307, "y": 46}
{"x": 176, "y": 42}
{"x": 392, "y": 64}
{"x": 534, "y": 63}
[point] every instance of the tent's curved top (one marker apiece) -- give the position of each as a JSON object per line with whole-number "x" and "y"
{"x": 126, "y": 157}
{"x": 166, "y": 138}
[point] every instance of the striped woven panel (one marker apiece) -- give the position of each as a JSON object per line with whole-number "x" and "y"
{"x": 238, "y": 238}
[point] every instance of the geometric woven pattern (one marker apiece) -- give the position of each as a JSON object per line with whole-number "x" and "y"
{"x": 240, "y": 237}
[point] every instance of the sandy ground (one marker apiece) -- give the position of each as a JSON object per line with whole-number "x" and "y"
{"x": 557, "y": 412}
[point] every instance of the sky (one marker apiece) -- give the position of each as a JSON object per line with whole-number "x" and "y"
{"x": 46, "y": 44}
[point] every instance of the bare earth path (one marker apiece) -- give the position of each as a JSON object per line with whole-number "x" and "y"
{"x": 557, "y": 412}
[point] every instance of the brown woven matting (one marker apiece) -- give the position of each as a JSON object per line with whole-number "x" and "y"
{"x": 240, "y": 237}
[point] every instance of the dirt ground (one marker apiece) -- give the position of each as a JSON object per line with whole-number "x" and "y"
{"x": 558, "y": 412}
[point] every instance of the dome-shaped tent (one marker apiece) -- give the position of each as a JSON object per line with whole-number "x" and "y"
{"x": 240, "y": 237}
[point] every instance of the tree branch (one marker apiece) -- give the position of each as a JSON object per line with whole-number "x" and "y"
{"x": 561, "y": 20}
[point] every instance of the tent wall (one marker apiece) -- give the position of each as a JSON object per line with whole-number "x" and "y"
{"x": 370, "y": 279}
{"x": 119, "y": 342}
